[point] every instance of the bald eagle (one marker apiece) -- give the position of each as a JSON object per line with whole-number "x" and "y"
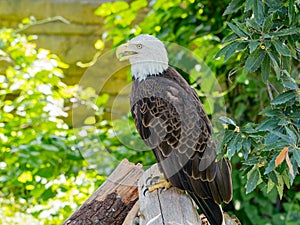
{"x": 172, "y": 122}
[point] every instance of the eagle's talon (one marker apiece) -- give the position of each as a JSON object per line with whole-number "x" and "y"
{"x": 157, "y": 182}
{"x": 153, "y": 180}
{"x": 145, "y": 191}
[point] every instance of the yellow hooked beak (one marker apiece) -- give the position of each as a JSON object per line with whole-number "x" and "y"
{"x": 123, "y": 52}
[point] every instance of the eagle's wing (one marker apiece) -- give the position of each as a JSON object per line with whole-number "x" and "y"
{"x": 172, "y": 122}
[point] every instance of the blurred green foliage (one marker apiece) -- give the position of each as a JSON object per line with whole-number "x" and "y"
{"x": 251, "y": 48}
{"x": 47, "y": 167}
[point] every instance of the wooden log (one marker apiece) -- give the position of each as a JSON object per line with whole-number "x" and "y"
{"x": 110, "y": 204}
{"x": 166, "y": 207}
{"x": 132, "y": 216}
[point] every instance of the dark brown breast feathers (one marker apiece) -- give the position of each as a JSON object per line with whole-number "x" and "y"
{"x": 172, "y": 122}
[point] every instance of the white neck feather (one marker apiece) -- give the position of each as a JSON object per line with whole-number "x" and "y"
{"x": 141, "y": 70}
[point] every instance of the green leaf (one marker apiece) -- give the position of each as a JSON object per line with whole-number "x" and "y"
{"x": 258, "y": 11}
{"x": 249, "y": 5}
{"x": 291, "y": 11}
{"x": 251, "y": 161}
{"x": 284, "y": 97}
{"x": 268, "y": 125}
{"x": 229, "y": 49}
{"x": 284, "y": 137}
{"x": 286, "y": 32}
{"x": 231, "y": 148}
{"x": 242, "y": 27}
{"x": 233, "y": 6}
{"x": 265, "y": 68}
{"x": 271, "y": 112}
{"x": 286, "y": 64}
{"x": 228, "y": 136}
{"x": 119, "y": 6}
{"x": 253, "y": 24}
{"x": 296, "y": 154}
{"x": 282, "y": 48}
{"x": 236, "y": 30}
{"x": 253, "y": 179}
{"x": 46, "y": 172}
{"x": 292, "y": 135}
{"x": 253, "y": 45}
{"x": 48, "y": 193}
{"x": 226, "y": 120}
{"x": 268, "y": 24}
{"x": 279, "y": 185}
{"x": 254, "y": 60}
{"x": 274, "y": 63}
{"x": 270, "y": 139}
{"x": 270, "y": 185}
{"x": 50, "y": 148}
{"x": 290, "y": 83}
{"x": 286, "y": 179}
{"x": 271, "y": 165}
{"x": 104, "y": 10}
{"x": 138, "y": 4}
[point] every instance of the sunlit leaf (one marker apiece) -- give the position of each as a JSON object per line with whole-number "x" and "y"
{"x": 90, "y": 120}
{"x": 25, "y": 177}
{"x": 281, "y": 156}
{"x": 138, "y": 4}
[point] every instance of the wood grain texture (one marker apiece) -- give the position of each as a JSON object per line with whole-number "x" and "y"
{"x": 110, "y": 204}
{"x": 166, "y": 207}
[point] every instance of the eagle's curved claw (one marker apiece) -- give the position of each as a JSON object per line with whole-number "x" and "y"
{"x": 157, "y": 182}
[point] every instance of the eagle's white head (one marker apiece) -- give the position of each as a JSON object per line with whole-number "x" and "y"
{"x": 147, "y": 55}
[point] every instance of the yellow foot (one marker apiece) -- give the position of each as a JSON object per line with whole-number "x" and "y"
{"x": 158, "y": 182}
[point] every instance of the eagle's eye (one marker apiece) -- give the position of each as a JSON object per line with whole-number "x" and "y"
{"x": 139, "y": 46}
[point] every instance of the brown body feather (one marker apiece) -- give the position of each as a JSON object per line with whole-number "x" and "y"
{"x": 172, "y": 122}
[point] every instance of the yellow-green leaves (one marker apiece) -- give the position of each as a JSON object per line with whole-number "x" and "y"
{"x": 107, "y": 9}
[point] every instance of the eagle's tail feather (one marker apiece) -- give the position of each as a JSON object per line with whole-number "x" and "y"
{"x": 212, "y": 210}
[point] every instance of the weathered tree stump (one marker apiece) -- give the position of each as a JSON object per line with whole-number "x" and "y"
{"x": 165, "y": 207}
{"x": 110, "y": 204}
{"x": 116, "y": 202}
